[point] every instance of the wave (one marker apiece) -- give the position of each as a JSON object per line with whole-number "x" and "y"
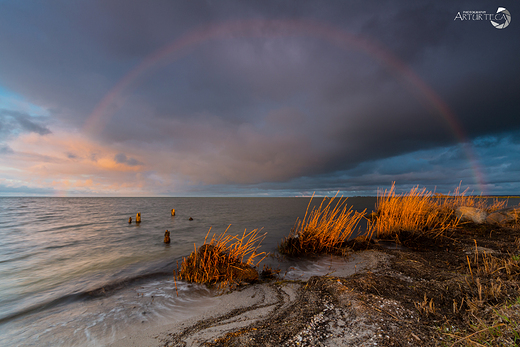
{"x": 106, "y": 290}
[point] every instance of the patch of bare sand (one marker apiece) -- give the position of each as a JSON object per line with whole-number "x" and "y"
{"x": 288, "y": 312}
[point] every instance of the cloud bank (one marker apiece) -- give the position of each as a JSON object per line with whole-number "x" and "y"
{"x": 255, "y": 112}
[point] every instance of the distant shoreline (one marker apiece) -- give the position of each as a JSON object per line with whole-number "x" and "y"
{"x": 245, "y": 197}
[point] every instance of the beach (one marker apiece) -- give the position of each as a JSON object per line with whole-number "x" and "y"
{"x": 396, "y": 296}
{"x": 278, "y": 307}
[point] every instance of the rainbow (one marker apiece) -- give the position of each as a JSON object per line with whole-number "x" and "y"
{"x": 258, "y": 28}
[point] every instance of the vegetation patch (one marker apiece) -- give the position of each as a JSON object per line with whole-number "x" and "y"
{"x": 455, "y": 283}
{"x": 492, "y": 301}
{"x": 463, "y": 284}
{"x": 422, "y": 212}
{"x": 224, "y": 260}
{"x": 412, "y": 219}
{"x": 324, "y": 229}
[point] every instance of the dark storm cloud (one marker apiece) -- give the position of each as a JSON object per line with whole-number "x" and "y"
{"x": 440, "y": 169}
{"x": 288, "y": 108}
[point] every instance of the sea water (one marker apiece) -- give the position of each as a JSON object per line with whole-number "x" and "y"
{"x": 73, "y": 271}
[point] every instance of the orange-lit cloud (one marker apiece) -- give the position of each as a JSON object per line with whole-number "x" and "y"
{"x": 64, "y": 161}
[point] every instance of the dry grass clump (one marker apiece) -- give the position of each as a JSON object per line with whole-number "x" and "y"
{"x": 458, "y": 198}
{"x": 516, "y": 215}
{"x": 490, "y": 275}
{"x": 225, "y": 259}
{"x": 417, "y": 210}
{"x": 324, "y": 230}
{"x": 420, "y": 210}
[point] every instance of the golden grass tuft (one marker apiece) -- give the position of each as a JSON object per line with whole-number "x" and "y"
{"x": 417, "y": 213}
{"x": 459, "y": 198}
{"x": 322, "y": 230}
{"x": 420, "y": 210}
{"x": 225, "y": 259}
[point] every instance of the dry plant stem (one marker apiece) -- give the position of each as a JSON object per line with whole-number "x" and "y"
{"x": 383, "y": 311}
{"x": 469, "y": 264}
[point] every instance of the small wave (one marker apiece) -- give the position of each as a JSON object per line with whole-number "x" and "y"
{"x": 19, "y": 257}
{"x": 40, "y": 307}
{"x": 102, "y": 291}
{"x": 70, "y": 227}
{"x": 112, "y": 287}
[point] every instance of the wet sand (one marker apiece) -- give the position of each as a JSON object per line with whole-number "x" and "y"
{"x": 292, "y": 306}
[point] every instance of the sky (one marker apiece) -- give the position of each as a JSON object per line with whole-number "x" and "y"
{"x": 257, "y": 98}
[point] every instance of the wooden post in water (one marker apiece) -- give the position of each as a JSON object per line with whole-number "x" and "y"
{"x": 166, "y": 236}
{"x": 173, "y": 212}
{"x": 138, "y": 217}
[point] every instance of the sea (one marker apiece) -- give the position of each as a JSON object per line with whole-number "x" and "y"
{"x": 74, "y": 272}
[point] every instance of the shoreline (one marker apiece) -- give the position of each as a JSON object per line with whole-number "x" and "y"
{"x": 404, "y": 298}
{"x": 252, "y": 304}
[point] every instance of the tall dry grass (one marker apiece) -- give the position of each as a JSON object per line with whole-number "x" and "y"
{"x": 420, "y": 210}
{"x": 461, "y": 198}
{"x": 225, "y": 259}
{"x": 416, "y": 210}
{"x": 322, "y": 230}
